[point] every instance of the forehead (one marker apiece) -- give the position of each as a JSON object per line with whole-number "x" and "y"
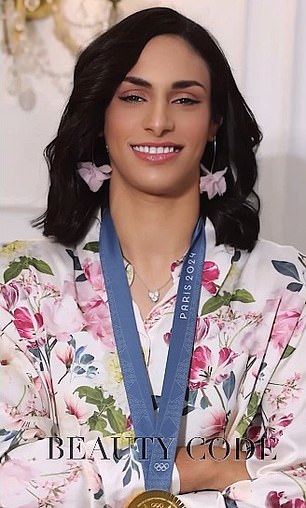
{"x": 170, "y": 57}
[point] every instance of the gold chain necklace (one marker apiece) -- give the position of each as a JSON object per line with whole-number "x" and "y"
{"x": 153, "y": 294}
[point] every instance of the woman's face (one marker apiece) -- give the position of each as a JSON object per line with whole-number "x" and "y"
{"x": 159, "y": 120}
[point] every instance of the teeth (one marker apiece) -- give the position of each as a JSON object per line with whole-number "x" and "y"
{"x": 155, "y": 149}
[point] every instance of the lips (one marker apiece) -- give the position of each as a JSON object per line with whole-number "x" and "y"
{"x": 153, "y": 149}
{"x": 156, "y": 153}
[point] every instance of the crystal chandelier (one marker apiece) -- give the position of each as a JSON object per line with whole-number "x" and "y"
{"x": 28, "y": 52}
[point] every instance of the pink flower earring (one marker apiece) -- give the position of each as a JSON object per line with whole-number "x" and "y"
{"x": 213, "y": 183}
{"x": 94, "y": 176}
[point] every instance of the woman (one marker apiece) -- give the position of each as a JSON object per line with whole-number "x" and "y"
{"x": 157, "y": 136}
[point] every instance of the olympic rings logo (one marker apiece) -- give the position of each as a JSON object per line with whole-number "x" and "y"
{"x": 161, "y": 466}
{"x": 157, "y": 505}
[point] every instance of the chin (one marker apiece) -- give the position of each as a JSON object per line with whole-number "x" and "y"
{"x": 166, "y": 191}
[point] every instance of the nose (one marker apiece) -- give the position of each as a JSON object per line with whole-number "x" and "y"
{"x": 159, "y": 119}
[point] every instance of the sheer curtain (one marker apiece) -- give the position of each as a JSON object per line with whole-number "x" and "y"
{"x": 265, "y": 43}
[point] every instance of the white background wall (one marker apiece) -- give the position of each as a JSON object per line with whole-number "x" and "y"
{"x": 265, "y": 42}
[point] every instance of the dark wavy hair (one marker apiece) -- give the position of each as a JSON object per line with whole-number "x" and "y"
{"x": 100, "y": 69}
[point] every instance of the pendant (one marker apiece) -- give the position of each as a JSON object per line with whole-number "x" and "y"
{"x": 154, "y": 295}
{"x": 156, "y": 498}
{"x": 130, "y": 273}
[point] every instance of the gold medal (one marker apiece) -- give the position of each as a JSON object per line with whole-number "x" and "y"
{"x": 156, "y": 499}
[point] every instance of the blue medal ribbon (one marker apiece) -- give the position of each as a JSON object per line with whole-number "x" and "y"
{"x": 164, "y": 422}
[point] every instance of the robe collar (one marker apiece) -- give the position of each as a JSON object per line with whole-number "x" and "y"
{"x": 87, "y": 253}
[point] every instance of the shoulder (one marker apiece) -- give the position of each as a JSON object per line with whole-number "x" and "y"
{"x": 43, "y": 257}
{"x": 36, "y": 287}
{"x": 269, "y": 268}
{"x": 282, "y": 261}
{"x": 273, "y": 272}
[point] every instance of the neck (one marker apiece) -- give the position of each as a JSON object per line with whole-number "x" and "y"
{"x": 154, "y": 231}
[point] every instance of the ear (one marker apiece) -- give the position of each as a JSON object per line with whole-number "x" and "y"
{"x": 213, "y": 129}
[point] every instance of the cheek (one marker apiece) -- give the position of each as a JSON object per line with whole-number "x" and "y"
{"x": 112, "y": 121}
{"x": 118, "y": 121}
{"x": 198, "y": 136}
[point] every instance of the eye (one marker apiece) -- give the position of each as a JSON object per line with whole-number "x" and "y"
{"x": 186, "y": 100}
{"x": 131, "y": 98}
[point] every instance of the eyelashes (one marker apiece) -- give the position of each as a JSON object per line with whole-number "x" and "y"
{"x": 137, "y": 98}
{"x": 131, "y": 98}
{"x": 186, "y": 100}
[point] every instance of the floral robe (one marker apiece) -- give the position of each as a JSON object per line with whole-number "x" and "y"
{"x": 60, "y": 375}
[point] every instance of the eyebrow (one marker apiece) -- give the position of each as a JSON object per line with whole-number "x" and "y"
{"x": 177, "y": 85}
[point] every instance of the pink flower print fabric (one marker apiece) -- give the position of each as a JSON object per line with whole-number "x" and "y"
{"x": 60, "y": 376}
